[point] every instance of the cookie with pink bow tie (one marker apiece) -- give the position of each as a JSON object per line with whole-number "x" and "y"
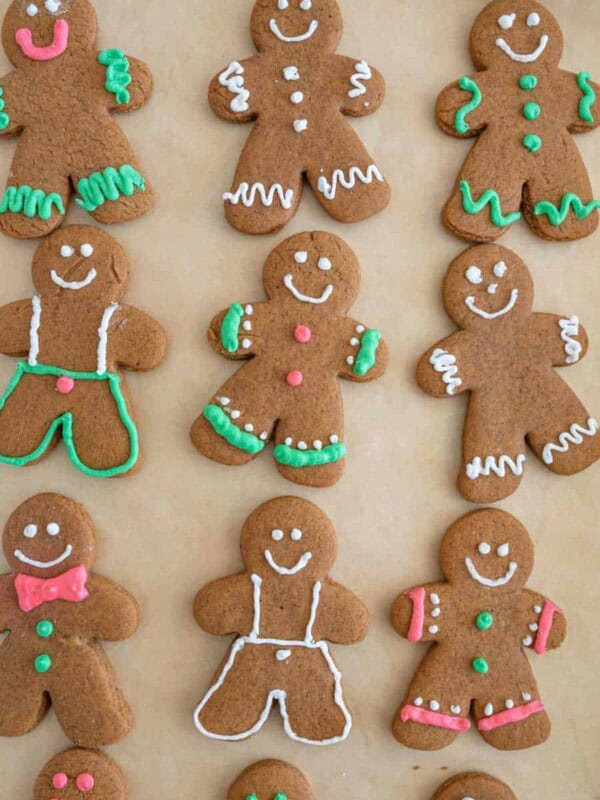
{"x": 53, "y": 611}
{"x": 79, "y": 774}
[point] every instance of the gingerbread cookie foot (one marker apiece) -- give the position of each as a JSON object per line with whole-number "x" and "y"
{"x": 27, "y": 213}
{"x": 114, "y": 194}
{"x": 414, "y": 735}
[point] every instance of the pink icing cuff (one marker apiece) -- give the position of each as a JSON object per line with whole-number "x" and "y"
{"x": 424, "y": 717}
{"x": 417, "y": 622}
{"x": 545, "y": 626}
{"x": 516, "y": 714}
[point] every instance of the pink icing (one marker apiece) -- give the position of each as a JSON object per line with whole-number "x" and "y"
{"x": 516, "y": 714}
{"x": 295, "y": 378}
{"x": 24, "y": 39}
{"x": 65, "y": 385}
{"x": 60, "y": 780}
{"x": 545, "y": 626}
{"x": 302, "y": 334}
{"x": 85, "y": 782}
{"x": 425, "y": 717}
{"x": 417, "y": 622}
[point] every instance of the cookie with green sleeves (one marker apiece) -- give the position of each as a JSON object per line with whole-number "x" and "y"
{"x": 524, "y": 109}
{"x": 59, "y": 97}
{"x": 474, "y": 786}
{"x": 271, "y": 780}
{"x": 77, "y": 774}
{"x": 296, "y": 344}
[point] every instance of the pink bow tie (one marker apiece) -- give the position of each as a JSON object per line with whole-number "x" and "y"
{"x": 34, "y": 592}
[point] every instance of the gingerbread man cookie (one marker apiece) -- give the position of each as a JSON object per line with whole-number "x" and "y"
{"x": 480, "y": 618}
{"x": 284, "y": 609}
{"x": 473, "y": 786}
{"x": 54, "y": 611}
{"x": 73, "y": 336}
{"x": 78, "y": 774}
{"x": 298, "y": 90}
{"x": 504, "y": 355}
{"x": 60, "y": 97}
{"x": 271, "y": 780}
{"x": 524, "y": 109}
{"x": 298, "y": 343}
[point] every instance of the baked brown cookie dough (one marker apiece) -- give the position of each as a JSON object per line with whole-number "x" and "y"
{"x": 474, "y": 786}
{"x": 270, "y": 780}
{"x": 80, "y": 774}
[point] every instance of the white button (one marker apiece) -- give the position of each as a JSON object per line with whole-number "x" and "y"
{"x": 300, "y": 125}
{"x": 296, "y": 98}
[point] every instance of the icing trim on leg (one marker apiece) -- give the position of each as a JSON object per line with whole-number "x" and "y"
{"x": 367, "y": 355}
{"x": 110, "y": 184}
{"x": 117, "y": 74}
{"x": 511, "y": 715}
{"x": 424, "y": 717}
{"x": 31, "y": 202}
{"x": 478, "y": 468}
{"x": 573, "y": 436}
{"x": 4, "y": 118}
{"x": 246, "y": 194}
{"x": 230, "y": 328}
{"x": 224, "y": 427}
{"x": 292, "y": 457}
{"x": 417, "y": 620}
{"x": 557, "y": 215}
{"x": 329, "y": 190}
{"x": 489, "y": 197}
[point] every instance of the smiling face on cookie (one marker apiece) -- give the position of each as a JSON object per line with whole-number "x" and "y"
{"x": 286, "y": 25}
{"x": 83, "y": 262}
{"x": 48, "y": 535}
{"x": 44, "y": 30}
{"x": 487, "y": 550}
{"x": 516, "y": 33}
{"x": 488, "y": 285}
{"x": 313, "y": 270}
{"x": 78, "y": 774}
{"x": 270, "y": 780}
{"x": 289, "y": 537}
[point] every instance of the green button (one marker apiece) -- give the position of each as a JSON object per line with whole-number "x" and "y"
{"x": 484, "y": 621}
{"x": 481, "y": 666}
{"x": 531, "y": 111}
{"x": 532, "y": 143}
{"x": 528, "y": 82}
{"x": 42, "y": 663}
{"x": 44, "y": 629}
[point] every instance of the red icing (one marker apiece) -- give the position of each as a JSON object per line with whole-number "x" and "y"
{"x": 417, "y": 622}
{"x": 302, "y": 334}
{"x": 60, "y": 780}
{"x": 34, "y": 592}
{"x": 516, "y": 714}
{"x": 84, "y": 782}
{"x": 545, "y": 626}
{"x": 424, "y": 717}
{"x": 24, "y": 39}
{"x": 295, "y": 378}
{"x": 65, "y": 385}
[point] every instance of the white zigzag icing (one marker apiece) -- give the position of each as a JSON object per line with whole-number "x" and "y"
{"x": 363, "y": 73}
{"x": 573, "y": 436}
{"x": 247, "y": 194}
{"x": 477, "y": 468}
{"x": 445, "y": 363}
{"x": 339, "y": 177}
{"x": 233, "y": 79}
{"x": 568, "y": 329}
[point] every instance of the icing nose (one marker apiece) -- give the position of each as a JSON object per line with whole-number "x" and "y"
{"x": 492, "y": 288}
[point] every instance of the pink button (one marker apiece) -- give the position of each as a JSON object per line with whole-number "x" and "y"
{"x": 295, "y": 378}
{"x": 65, "y": 385}
{"x": 60, "y": 780}
{"x": 84, "y": 782}
{"x": 302, "y": 334}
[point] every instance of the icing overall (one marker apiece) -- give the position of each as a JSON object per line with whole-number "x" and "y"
{"x": 78, "y": 774}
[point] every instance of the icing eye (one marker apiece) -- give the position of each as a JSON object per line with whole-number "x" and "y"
{"x": 52, "y": 6}
{"x": 306, "y": 5}
{"x": 506, "y": 21}
{"x": 85, "y": 782}
{"x": 503, "y": 550}
{"x": 66, "y": 251}
{"x": 30, "y": 531}
{"x": 86, "y": 250}
{"x": 533, "y": 20}
{"x": 59, "y": 780}
{"x": 324, "y": 264}
{"x": 301, "y": 257}
{"x": 296, "y": 534}
{"x": 277, "y": 535}
{"x": 484, "y": 548}
{"x": 473, "y": 275}
{"x": 282, "y": 4}
{"x": 500, "y": 269}
{"x": 32, "y": 10}
{"x": 53, "y": 529}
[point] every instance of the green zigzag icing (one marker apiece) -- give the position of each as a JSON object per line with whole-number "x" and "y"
{"x": 109, "y": 184}
{"x": 491, "y": 198}
{"x": 31, "y": 202}
{"x": 460, "y": 121}
{"x": 367, "y": 355}
{"x": 230, "y": 328}
{"x": 4, "y": 118}
{"x": 117, "y": 74}
{"x": 588, "y": 99}
{"x": 557, "y": 216}
{"x": 290, "y": 457}
{"x": 221, "y": 424}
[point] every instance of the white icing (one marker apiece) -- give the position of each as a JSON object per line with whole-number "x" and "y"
{"x": 264, "y": 436}
{"x": 247, "y": 194}
{"x": 53, "y": 529}
{"x": 224, "y": 401}
{"x": 283, "y": 655}
{"x": 504, "y": 550}
{"x": 498, "y": 466}
{"x": 296, "y": 534}
{"x": 246, "y": 344}
{"x": 288, "y": 282}
{"x": 473, "y": 275}
{"x": 302, "y": 446}
{"x": 296, "y": 98}
{"x": 291, "y": 73}
{"x": 289, "y": 441}
{"x": 334, "y": 439}
{"x": 445, "y": 363}
{"x": 301, "y": 38}
{"x": 318, "y": 444}
{"x": 533, "y": 20}
{"x": 528, "y": 641}
{"x": 301, "y": 257}
{"x": 485, "y": 549}
{"x": 300, "y": 125}
{"x": 247, "y": 325}
{"x": 73, "y": 285}
{"x": 363, "y": 73}
{"x": 34, "y": 330}
{"x": 537, "y": 609}
{"x": 66, "y": 251}
{"x": 30, "y": 531}
{"x": 233, "y": 79}
{"x": 44, "y": 564}
{"x": 354, "y": 342}
{"x": 236, "y": 414}
{"x": 324, "y": 264}
{"x": 569, "y": 328}
{"x": 488, "y": 710}
{"x": 526, "y": 696}
{"x": 509, "y": 704}
{"x": 470, "y": 303}
{"x": 435, "y": 599}
{"x": 434, "y": 705}
{"x": 506, "y": 21}
{"x": 282, "y": 4}
{"x": 523, "y": 58}
{"x": 52, "y": 6}
{"x": 249, "y": 310}
{"x": 305, "y": 5}
{"x": 103, "y": 337}
{"x": 500, "y": 269}
{"x": 86, "y": 250}
{"x": 491, "y": 584}
{"x": 298, "y": 566}
{"x": 492, "y": 288}
{"x": 573, "y": 436}
{"x": 418, "y": 701}
{"x": 533, "y": 627}
{"x": 249, "y": 427}
{"x": 32, "y": 10}
{"x": 339, "y": 177}
{"x": 277, "y": 535}
{"x": 350, "y": 360}
{"x": 433, "y": 629}
{"x": 455, "y": 709}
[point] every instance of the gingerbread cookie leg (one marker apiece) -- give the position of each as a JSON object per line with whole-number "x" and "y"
{"x": 23, "y": 703}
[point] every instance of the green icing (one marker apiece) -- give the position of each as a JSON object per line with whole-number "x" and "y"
{"x": 460, "y": 121}
{"x": 109, "y": 184}
{"x": 588, "y": 99}
{"x": 531, "y": 111}
{"x": 230, "y": 328}
{"x": 4, "y": 118}
{"x": 117, "y": 74}
{"x": 31, "y": 202}
{"x": 491, "y": 198}
{"x": 44, "y": 629}
{"x": 484, "y": 621}
{"x": 221, "y": 424}
{"x": 532, "y": 142}
{"x": 280, "y": 796}
{"x": 367, "y": 355}
{"x": 557, "y": 216}
{"x": 528, "y": 82}
{"x": 290, "y": 457}
{"x": 481, "y": 666}
{"x": 66, "y": 420}
{"x": 42, "y": 663}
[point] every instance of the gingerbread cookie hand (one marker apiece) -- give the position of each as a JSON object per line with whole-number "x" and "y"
{"x": 78, "y": 773}
{"x": 270, "y": 780}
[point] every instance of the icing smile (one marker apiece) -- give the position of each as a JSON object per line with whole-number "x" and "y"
{"x": 44, "y": 564}
{"x": 298, "y": 567}
{"x": 470, "y": 303}
{"x": 523, "y": 58}
{"x": 74, "y": 285}
{"x": 301, "y": 38}
{"x": 491, "y": 584}
{"x": 24, "y": 39}
{"x": 304, "y": 298}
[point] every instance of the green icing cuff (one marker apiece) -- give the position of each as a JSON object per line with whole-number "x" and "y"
{"x": 31, "y": 202}
{"x": 4, "y": 118}
{"x": 460, "y": 121}
{"x": 221, "y": 424}
{"x": 557, "y": 216}
{"x": 117, "y": 74}
{"x": 367, "y": 355}
{"x": 588, "y": 99}
{"x": 109, "y": 184}
{"x": 491, "y": 198}
{"x": 291, "y": 457}
{"x": 230, "y": 328}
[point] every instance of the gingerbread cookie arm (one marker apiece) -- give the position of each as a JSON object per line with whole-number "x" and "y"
{"x": 363, "y": 87}
{"x": 233, "y": 91}
{"x": 13, "y": 100}
{"x": 226, "y": 606}
{"x": 137, "y": 341}
{"x": 342, "y": 617}
{"x": 419, "y": 614}
{"x": 15, "y": 324}
{"x": 233, "y": 331}
{"x": 564, "y": 339}
{"x": 365, "y": 354}
{"x": 444, "y": 370}
{"x": 547, "y": 628}
{"x": 583, "y": 98}
{"x": 461, "y": 110}
{"x": 127, "y": 81}
{"x": 9, "y": 609}
{"x": 109, "y": 612}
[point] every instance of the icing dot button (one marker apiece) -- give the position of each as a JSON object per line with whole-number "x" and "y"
{"x": 302, "y": 334}
{"x": 44, "y": 630}
{"x": 528, "y": 82}
{"x": 484, "y": 621}
{"x": 85, "y": 782}
{"x": 59, "y": 780}
{"x": 532, "y": 143}
{"x": 531, "y": 111}
{"x": 65, "y": 385}
{"x": 42, "y": 663}
{"x": 481, "y": 666}
{"x": 295, "y": 378}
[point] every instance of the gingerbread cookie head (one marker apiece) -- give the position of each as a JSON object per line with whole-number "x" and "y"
{"x": 44, "y": 30}
{"x": 487, "y": 286}
{"x": 271, "y": 780}
{"x": 286, "y": 25}
{"x": 48, "y": 535}
{"x": 313, "y": 270}
{"x": 79, "y": 774}
{"x": 473, "y": 786}
{"x": 289, "y": 536}
{"x": 488, "y": 549}
{"x": 81, "y": 261}
{"x": 514, "y": 34}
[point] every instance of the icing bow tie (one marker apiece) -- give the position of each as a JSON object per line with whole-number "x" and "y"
{"x": 34, "y": 592}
